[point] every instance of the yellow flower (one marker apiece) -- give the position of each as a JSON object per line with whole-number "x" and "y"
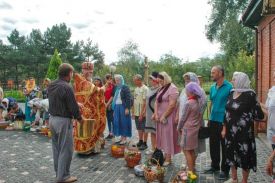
{"x": 193, "y": 177}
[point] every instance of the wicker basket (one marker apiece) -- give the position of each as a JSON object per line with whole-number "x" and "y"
{"x": 132, "y": 157}
{"x": 153, "y": 175}
{"x": 3, "y": 124}
{"x": 117, "y": 151}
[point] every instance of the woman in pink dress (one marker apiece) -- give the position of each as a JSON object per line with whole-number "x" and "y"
{"x": 190, "y": 122}
{"x": 164, "y": 115}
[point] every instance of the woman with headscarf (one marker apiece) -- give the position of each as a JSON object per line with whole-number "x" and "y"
{"x": 242, "y": 109}
{"x": 121, "y": 105}
{"x": 191, "y": 77}
{"x": 269, "y": 108}
{"x": 164, "y": 115}
{"x": 190, "y": 122}
{"x": 31, "y": 92}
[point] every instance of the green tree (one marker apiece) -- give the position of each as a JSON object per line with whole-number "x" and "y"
{"x": 173, "y": 66}
{"x": 130, "y": 61}
{"x": 57, "y": 37}
{"x": 53, "y": 66}
{"x": 16, "y": 55}
{"x": 243, "y": 63}
{"x": 15, "y": 39}
{"x": 75, "y": 55}
{"x": 224, "y": 27}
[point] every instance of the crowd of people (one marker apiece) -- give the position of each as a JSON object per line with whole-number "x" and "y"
{"x": 173, "y": 119}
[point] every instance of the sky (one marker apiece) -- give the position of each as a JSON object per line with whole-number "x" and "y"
{"x": 157, "y": 26}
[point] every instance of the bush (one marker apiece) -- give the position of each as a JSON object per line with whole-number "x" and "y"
{"x": 17, "y": 94}
{"x": 53, "y": 67}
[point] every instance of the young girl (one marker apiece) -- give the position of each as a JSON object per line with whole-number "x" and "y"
{"x": 190, "y": 122}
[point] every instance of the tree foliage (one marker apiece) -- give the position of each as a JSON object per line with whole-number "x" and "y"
{"x": 130, "y": 56}
{"x": 224, "y": 27}
{"x": 29, "y": 55}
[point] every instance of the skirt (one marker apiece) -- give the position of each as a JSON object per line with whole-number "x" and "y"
{"x": 122, "y": 122}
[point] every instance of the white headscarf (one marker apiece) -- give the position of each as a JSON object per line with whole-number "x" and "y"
{"x": 193, "y": 77}
{"x": 241, "y": 82}
{"x": 183, "y": 97}
{"x": 6, "y": 100}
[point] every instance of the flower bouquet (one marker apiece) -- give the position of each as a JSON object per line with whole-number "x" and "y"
{"x": 185, "y": 177}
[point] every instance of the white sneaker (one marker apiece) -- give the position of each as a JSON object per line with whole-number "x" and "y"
{"x": 167, "y": 163}
{"x": 116, "y": 139}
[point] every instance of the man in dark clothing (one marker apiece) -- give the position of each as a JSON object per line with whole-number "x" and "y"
{"x": 63, "y": 108}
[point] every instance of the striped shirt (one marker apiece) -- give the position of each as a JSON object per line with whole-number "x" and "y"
{"x": 62, "y": 101}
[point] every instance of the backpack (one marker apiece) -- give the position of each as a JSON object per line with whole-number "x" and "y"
{"x": 157, "y": 156}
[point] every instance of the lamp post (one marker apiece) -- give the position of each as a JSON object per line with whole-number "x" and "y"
{"x": 112, "y": 69}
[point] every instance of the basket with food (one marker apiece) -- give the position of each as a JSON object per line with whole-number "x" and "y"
{"x": 153, "y": 172}
{"x": 132, "y": 156}
{"x": 117, "y": 151}
{"x": 3, "y": 124}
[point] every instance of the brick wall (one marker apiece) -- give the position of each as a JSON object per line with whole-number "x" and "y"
{"x": 266, "y": 56}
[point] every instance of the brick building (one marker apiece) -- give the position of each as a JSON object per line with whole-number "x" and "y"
{"x": 260, "y": 17}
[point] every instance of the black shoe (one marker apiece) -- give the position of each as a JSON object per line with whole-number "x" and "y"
{"x": 223, "y": 176}
{"x": 143, "y": 146}
{"x": 109, "y": 137}
{"x": 139, "y": 143}
{"x": 211, "y": 170}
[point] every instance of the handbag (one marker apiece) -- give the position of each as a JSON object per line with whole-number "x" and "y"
{"x": 158, "y": 156}
{"x": 204, "y": 132}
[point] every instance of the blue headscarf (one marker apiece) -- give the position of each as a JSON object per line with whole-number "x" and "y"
{"x": 118, "y": 88}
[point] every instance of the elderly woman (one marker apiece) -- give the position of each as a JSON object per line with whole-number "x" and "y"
{"x": 31, "y": 92}
{"x": 190, "y": 122}
{"x": 242, "y": 109}
{"x": 121, "y": 105}
{"x": 183, "y": 99}
{"x": 11, "y": 110}
{"x": 269, "y": 108}
{"x": 191, "y": 77}
{"x": 164, "y": 115}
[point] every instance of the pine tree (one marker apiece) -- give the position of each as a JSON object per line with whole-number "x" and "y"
{"x": 55, "y": 62}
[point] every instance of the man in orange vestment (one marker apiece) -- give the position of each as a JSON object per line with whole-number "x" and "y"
{"x": 88, "y": 136}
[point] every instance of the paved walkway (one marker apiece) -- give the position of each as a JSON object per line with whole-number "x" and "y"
{"x": 27, "y": 158}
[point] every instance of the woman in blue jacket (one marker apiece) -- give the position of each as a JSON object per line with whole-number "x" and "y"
{"x": 121, "y": 105}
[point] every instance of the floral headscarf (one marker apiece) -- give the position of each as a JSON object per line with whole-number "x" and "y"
{"x": 241, "y": 83}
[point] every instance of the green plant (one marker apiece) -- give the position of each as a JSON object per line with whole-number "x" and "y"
{"x": 16, "y": 94}
{"x": 53, "y": 67}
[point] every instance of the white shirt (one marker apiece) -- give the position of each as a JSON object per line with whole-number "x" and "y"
{"x": 118, "y": 99}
